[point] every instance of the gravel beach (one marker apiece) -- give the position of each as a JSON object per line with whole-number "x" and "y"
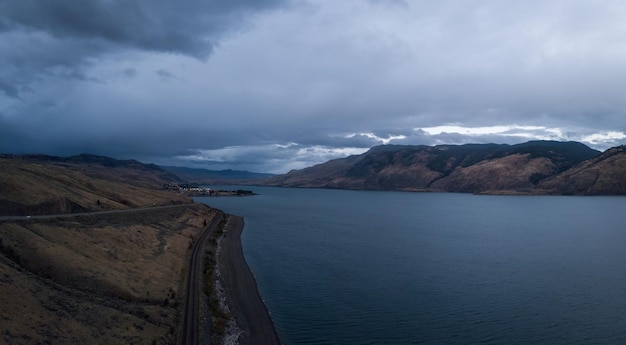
{"x": 241, "y": 289}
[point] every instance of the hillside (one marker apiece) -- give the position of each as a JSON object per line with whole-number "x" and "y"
{"x": 603, "y": 175}
{"x": 474, "y": 168}
{"x": 35, "y": 184}
{"x": 110, "y": 278}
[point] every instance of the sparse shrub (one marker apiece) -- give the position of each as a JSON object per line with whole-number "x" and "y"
{"x": 536, "y": 177}
{"x": 10, "y": 253}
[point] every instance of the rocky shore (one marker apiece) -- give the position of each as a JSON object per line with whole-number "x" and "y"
{"x": 254, "y": 324}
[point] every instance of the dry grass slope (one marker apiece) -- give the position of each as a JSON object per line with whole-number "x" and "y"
{"x": 535, "y": 167}
{"x": 36, "y": 186}
{"x": 104, "y": 279}
{"x": 92, "y": 279}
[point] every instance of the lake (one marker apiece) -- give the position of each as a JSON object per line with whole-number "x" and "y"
{"x": 360, "y": 267}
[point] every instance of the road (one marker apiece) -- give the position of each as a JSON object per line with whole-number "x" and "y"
{"x": 68, "y": 215}
{"x": 190, "y": 327}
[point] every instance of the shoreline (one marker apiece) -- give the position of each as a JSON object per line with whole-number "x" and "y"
{"x": 247, "y": 307}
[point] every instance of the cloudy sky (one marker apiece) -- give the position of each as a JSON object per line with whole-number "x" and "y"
{"x": 275, "y": 85}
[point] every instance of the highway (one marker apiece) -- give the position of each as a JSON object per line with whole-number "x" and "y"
{"x": 96, "y": 213}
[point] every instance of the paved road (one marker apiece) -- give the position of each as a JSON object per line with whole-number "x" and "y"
{"x": 192, "y": 301}
{"x": 67, "y": 215}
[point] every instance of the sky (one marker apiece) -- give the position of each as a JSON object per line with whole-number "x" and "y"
{"x": 275, "y": 85}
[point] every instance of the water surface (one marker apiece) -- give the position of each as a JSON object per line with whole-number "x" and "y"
{"x": 355, "y": 267}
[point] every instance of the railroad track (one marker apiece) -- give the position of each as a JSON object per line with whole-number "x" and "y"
{"x": 190, "y": 327}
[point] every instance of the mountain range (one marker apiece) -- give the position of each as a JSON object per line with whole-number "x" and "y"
{"x": 535, "y": 167}
{"x": 205, "y": 176}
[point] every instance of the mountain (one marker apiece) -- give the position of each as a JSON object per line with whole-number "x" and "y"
{"x": 204, "y": 176}
{"x": 473, "y": 168}
{"x": 38, "y": 184}
{"x": 518, "y": 168}
{"x": 603, "y": 175}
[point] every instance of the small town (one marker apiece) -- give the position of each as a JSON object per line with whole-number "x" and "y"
{"x": 196, "y": 190}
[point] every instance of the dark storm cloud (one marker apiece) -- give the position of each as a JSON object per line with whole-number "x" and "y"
{"x": 229, "y": 84}
{"x": 188, "y": 27}
{"x": 60, "y": 37}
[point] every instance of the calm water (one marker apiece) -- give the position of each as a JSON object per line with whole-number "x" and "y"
{"x": 347, "y": 267}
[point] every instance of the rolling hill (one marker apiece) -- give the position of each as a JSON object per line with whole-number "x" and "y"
{"x": 603, "y": 175}
{"x": 97, "y": 278}
{"x": 37, "y": 184}
{"x": 535, "y": 167}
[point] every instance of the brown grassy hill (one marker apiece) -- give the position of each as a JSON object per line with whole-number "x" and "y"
{"x": 387, "y": 167}
{"x": 32, "y": 185}
{"x": 466, "y": 168}
{"x": 604, "y": 175}
{"x": 510, "y": 173}
{"x": 112, "y": 278}
{"x": 105, "y": 279}
{"x": 326, "y": 175}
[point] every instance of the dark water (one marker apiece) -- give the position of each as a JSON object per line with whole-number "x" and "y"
{"x": 346, "y": 267}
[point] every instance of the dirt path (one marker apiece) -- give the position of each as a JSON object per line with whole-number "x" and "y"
{"x": 249, "y": 309}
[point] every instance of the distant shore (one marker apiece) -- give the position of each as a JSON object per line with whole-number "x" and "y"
{"x": 248, "y": 308}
